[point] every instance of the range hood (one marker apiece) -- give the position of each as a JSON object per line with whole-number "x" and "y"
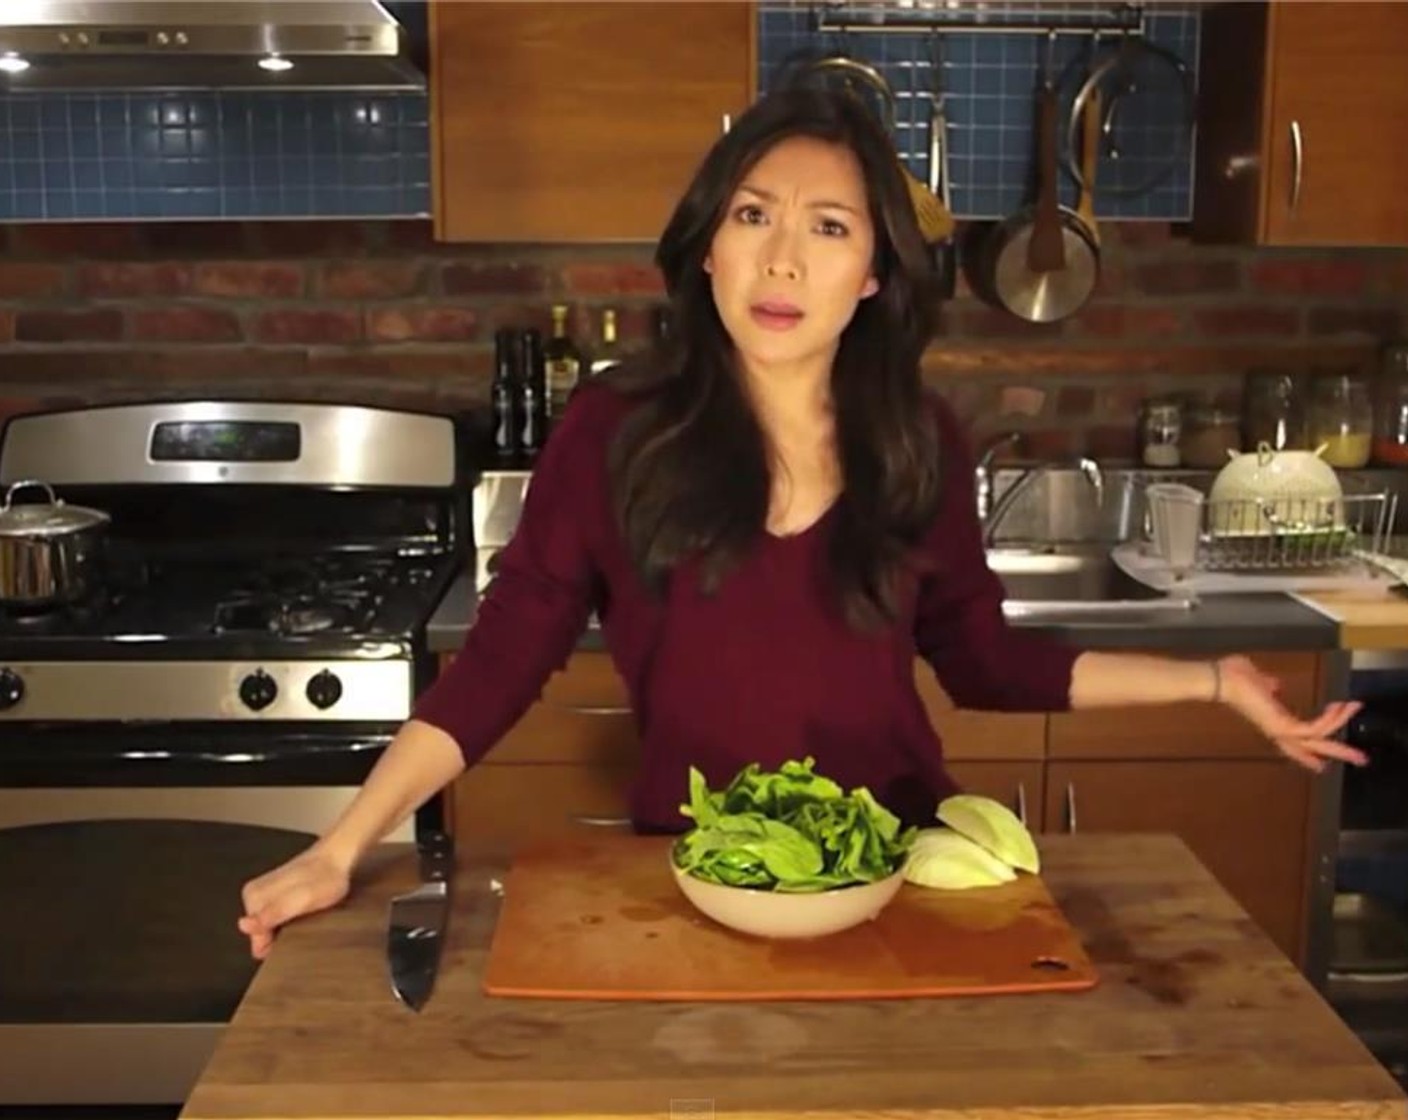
{"x": 202, "y": 44}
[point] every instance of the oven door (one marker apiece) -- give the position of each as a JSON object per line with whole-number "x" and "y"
{"x": 122, "y": 855}
{"x": 1367, "y": 982}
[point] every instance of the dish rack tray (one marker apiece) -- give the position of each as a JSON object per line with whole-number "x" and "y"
{"x": 1288, "y": 533}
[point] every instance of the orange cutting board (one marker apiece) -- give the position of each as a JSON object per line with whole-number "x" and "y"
{"x": 602, "y": 918}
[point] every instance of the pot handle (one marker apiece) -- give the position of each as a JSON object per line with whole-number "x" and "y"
{"x": 10, "y": 493}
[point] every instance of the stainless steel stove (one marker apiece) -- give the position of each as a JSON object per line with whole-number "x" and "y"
{"x": 253, "y": 639}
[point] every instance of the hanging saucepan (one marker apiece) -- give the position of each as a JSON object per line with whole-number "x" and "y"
{"x": 808, "y": 70}
{"x": 1042, "y": 263}
{"x": 48, "y": 550}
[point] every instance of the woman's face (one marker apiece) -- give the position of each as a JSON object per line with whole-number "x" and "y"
{"x": 794, "y": 256}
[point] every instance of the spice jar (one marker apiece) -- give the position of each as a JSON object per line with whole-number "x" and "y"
{"x": 1161, "y": 432}
{"x": 1273, "y": 411}
{"x": 1211, "y": 435}
{"x": 1342, "y": 419}
{"x": 1391, "y": 409}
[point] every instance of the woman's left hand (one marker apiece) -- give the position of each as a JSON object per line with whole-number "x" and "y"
{"x": 1252, "y": 693}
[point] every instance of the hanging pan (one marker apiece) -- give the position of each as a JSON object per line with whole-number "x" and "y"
{"x": 1042, "y": 263}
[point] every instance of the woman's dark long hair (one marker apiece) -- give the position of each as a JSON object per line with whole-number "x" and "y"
{"x": 690, "y": 467}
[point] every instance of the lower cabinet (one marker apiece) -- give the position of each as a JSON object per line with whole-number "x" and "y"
{"x": 513, "y": 803}
{"x": 1247, "y": 822}
{"x": 1193, "y": 770}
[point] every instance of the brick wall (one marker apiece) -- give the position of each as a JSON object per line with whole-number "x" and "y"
{"x": 379, "y": 312}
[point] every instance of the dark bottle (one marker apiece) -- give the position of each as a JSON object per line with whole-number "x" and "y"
{"x": 504, "y": 394}
{"x": 660, "y": 324}
{"x": 533, "y": 395}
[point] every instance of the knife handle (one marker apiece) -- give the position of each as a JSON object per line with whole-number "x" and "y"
{"x": 437, "y": 857}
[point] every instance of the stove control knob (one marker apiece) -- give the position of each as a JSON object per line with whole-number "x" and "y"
{"x": 11, "y": 689}
{"x": 324, "y": 690}
{"x": 258, "y": 690}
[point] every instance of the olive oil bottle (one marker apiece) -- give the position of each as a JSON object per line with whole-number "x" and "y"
{"x": 608, "y": 350}
{"x": 563, "y": 363}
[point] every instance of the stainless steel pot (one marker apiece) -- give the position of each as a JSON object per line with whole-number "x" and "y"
{"x": 48, "y": 551}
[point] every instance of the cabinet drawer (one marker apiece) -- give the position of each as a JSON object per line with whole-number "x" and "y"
{"x": 1183, "y": 731}
{"x": 979, "y": 735}
{"x": 583, "y": 717}
{"x": 590, "y": 681}
{"x": 516, "y": 803}
{"x": 577, "y": 734}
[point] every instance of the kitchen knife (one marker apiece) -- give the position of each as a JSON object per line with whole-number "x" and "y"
{"x": 417, "y": 925}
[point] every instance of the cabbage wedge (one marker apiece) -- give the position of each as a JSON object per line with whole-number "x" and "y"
{"x": 948, "y": 860}
{"x": 993, "y": 826}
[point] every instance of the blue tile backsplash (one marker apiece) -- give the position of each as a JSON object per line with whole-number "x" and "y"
{"x": 251, "y": 154}
{"x": 213, "y": 155}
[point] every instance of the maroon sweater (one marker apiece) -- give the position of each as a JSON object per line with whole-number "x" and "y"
{"x": 764, "y": 670}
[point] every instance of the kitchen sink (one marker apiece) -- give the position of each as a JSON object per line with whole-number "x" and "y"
{"x": 1056, "y": 581}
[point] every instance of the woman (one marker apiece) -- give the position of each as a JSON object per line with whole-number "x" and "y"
{"x": 771, "y": 519}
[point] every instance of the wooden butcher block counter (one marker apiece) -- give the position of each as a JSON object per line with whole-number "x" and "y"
{"x": 1195, "y": 1015}
{"x": 1373, "y": 619}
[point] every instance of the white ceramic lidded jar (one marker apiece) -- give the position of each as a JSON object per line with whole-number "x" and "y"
{"x": 1258, "y": 489}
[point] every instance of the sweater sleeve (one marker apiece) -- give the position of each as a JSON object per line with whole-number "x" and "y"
{"x": 980, "y": 659}
{"x": 533, "y": 613}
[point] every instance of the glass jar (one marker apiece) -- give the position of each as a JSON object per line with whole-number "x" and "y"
{"x": 1273, "y": 411}
{"x": 1211, "y": 436}
{"x": 1342, "y": 419}
{"x": 1391, "y": 409}
{"x": 1161, "y": 431}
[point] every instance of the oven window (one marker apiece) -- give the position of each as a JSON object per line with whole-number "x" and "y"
{"x": 129, "y": 921}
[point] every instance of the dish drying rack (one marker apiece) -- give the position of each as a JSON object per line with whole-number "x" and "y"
{"x": 1282, "y": 543}
{"x": 1293, "y": 533}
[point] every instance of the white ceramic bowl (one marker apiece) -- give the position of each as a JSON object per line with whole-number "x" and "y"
{"x": 780, "y": 914}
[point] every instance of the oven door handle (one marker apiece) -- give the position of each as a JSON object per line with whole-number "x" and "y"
{"x": 187, "y": 755}
{"x": 1378, "y": 979}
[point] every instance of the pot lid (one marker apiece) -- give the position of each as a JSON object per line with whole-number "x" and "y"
{"x": 39, "y": 519}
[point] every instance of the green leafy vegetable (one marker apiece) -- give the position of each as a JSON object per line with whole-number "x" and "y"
{"x": 788, "y": 830}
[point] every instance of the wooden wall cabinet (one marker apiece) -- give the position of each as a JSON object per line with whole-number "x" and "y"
{"x": 571, "y": 122}
{"x": 1302, "y": 109}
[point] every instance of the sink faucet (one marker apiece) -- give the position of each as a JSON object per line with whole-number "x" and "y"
{"x": 1087, "y": 466}
{"x": 982, "y": 473}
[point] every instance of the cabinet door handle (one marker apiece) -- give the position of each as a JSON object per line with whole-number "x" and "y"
{"x": 599, "y": 822}
{"x": 1071, "y": 807}
{"x": 1022, "y": 802}
{"x": 1297, "y": 163}
{"x": 598, "y": 709}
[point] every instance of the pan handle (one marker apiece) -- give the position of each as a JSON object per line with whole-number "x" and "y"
{"x": 1297, "y": 163}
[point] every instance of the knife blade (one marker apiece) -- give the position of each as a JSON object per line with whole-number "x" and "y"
{"x": 417, "y": 924}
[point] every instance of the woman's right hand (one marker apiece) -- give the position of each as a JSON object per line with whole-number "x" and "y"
{"x": 311, "y": 881}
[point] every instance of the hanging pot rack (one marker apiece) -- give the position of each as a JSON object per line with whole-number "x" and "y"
{"x": 1125, "y": 19}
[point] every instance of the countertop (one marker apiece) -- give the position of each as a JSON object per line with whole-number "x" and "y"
{"x": 1365, "y": 620}
{"x": 1196, "y": 1015}
{"x": 1219, "y": 623}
